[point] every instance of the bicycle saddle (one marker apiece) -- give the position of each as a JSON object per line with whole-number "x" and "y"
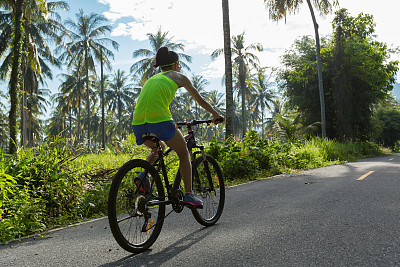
{"x": 149, "y": 136}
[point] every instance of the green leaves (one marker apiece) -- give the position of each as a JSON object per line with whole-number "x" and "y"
{"x": 357, "y": 75}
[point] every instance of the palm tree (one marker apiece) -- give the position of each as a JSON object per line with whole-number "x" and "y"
{"x": 243, "y": 60}
{"x": 263, "y": 97}
{"x": 71, "y": 95}
{"x": 144, "y": 67}
{"x": 278, "y": 10}
{"x": 3, "y": 123}
{"x": 228, "y": 70}
{"x": 216, "y": 99}
{"x": 120, "y": 96}
{"x": 86, "y": 45}
{"x": 41, "y": 24}
{"x": 63, "y": 109}
{"x": 290, "y": 127}
{"x": 199, "y": 83}
{"x": 16, "y": 6}
{"x": 36, "y": 104}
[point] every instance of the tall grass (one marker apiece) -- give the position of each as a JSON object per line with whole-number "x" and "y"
{"x": 53, "y": 185}
{"x": 255, "y": 157}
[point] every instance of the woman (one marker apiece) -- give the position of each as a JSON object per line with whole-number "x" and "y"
{"x": 152, "y": 114}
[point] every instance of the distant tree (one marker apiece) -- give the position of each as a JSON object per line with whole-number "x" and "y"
{"x": 243, "y": 60}
{"x": 144, "y": 67}
{"x": 263, "y": 97}
{"x": 199, "y": 83}
{"x": 120, "y": 96}
{"x": 278, "y": 9}
{"x": 389, "y": 125}
{"x": 87, "y": 44}
{"x": 358, "y": 76}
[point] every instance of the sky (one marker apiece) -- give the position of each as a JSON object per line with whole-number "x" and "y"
{"x": 198, "y": 25}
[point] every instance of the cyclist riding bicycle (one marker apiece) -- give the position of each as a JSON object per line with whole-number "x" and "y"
{"x": 152, "y": 115}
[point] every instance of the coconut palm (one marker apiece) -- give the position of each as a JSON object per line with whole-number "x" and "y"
{"x": 65, "y": 109}
{"x": 243, "y": 59}
{"x": 86, "y": 45}
{"x": 199, "y": 83}
{"x": 228, "y": 70}
{"x": 263, "y": 97}
{"x": 71, "y": 95}
{"x": 278, "y": 9}
{"x": 3, "y": 123}
{"x": 15, "y": 35}
{"x": 36, "y": 104}
{"x": 120, "y": 96}
{"x": 41, "y": 24}
{"x": 217, "y": 100}
{"x": 144, "y": 67}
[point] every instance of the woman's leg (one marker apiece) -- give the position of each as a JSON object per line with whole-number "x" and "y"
{"x": 153, "y": 156}
{"x": 178, "y": 144}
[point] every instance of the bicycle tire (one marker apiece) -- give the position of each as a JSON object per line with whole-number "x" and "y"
{"x": 210, "y": 188}
{"x": 128, "y": 208}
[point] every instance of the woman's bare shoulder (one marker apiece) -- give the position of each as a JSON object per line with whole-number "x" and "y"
{"x": 178, "y": 78}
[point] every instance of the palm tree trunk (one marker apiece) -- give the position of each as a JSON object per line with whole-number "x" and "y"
{"x": 228, "y": 70}
{"x": 23, "y": 113}
{"x": 262, "y": 122}
{"x": 103, "y": 131}
{"x": 243, "y": 89}
{"x": 87, "y": 95}
{"x": 70, "y": 123}
{"x": 119, "y": 121}
{"x": 15, "y": 75}
{"x": 320, "y": 82}
{"x": 30, "y": 126}
{"x": 79, "y": 120}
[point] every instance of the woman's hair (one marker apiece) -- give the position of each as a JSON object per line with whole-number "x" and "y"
{"x": 165, "y": 57}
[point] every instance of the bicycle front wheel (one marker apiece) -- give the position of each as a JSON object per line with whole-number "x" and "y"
{"x": 134, "y": 215}
{"x": 208, "y": 185}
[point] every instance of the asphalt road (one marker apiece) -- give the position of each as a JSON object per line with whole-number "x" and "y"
{"x": 343, "y": 215}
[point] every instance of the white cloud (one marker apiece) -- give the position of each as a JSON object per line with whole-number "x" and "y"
{"x": 198, "y": 24}
{"x": 214, "y": 69}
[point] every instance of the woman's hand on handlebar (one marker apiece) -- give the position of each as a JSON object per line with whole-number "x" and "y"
{"x": 218, "y": 119}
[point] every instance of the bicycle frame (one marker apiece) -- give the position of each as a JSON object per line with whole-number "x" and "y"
{"x": 159, "y": 164}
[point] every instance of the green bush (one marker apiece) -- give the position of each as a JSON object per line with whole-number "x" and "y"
{"x": 51, "y": 185}
{"x": 397, "y": 147}
{"x": 256, "y": 155}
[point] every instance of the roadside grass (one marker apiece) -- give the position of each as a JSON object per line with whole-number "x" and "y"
{"x": 52, "y": 186}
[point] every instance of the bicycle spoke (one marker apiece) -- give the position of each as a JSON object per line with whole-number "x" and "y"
{"x": 208, "y": 184}
{"x": 134, "y": 223}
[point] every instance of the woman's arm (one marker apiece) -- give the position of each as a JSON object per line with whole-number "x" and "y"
{"x": 185, "y": 82}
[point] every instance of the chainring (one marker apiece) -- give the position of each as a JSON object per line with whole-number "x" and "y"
{"x": 177, "y": 205}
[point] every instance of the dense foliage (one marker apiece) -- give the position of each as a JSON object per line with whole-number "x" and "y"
{"x": 357, "y": 75}
{"x": 50, "y": 186}
{"x": 387, "y": 125}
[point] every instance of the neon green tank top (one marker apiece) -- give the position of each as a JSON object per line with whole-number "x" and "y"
{"x": 154, "y": 100}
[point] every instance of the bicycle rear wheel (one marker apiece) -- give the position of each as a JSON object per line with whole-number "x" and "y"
{"x": 134, "y": 215}
{"x": 208, "y": 185}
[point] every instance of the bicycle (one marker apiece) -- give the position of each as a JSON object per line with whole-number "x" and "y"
{"x": 136, "y": 216}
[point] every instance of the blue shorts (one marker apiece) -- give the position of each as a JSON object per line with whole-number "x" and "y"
{"x": 164, "y": 130}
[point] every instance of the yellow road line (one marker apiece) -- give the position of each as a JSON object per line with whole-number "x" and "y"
{"x": 365, "y": 175}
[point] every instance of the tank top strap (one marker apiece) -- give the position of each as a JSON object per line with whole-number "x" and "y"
{"x": 165, "y": 71}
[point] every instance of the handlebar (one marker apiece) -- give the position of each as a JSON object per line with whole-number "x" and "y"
{"x": 196, "y": 122}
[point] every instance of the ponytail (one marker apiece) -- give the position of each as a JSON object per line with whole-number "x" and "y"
{"x": 165, "y": 57}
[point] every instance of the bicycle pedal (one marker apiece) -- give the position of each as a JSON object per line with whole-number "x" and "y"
{"x": 193, "y": 206}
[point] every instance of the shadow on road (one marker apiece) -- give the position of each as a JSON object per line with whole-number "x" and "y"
{"x": 148, "y": 259}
